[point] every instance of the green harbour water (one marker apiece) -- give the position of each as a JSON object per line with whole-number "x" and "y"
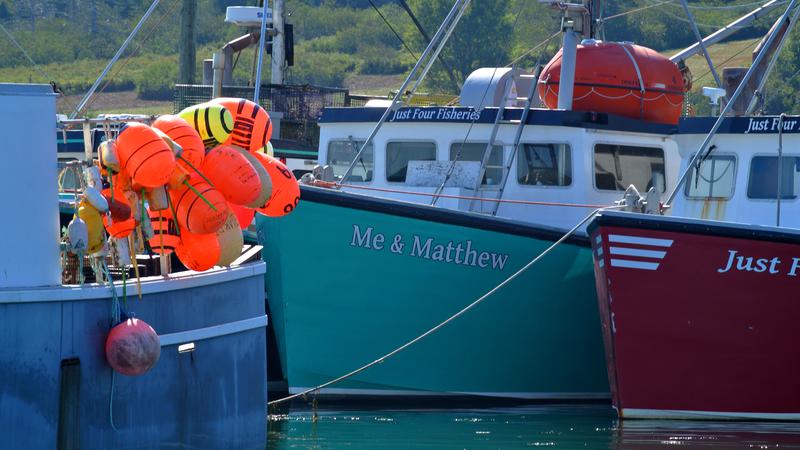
{"x": 538, "y": 426}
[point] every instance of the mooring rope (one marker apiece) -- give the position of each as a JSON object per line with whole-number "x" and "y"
{"x": 449, "y": 319}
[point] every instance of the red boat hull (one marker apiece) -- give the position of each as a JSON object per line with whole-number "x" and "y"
{"x": 700, "y": 319}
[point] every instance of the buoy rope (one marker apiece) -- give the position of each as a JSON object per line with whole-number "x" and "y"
{"x": 465, "y": 197}
{"x": 186, "y": 182}
{"x": 191, "y": 166}
{"x": 449, "y": 319}
{"x": 174, "y": 216}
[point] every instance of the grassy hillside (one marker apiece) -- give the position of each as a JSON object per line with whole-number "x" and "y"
{"x": 339, "y": 42}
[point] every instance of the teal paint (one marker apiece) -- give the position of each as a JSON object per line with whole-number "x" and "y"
{"x": 342, "y": 296}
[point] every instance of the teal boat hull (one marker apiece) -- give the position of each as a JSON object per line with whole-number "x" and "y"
{"x": 351, "y": 278}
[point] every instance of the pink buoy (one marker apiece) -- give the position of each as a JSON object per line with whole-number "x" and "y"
{"x": 132, "y": 347}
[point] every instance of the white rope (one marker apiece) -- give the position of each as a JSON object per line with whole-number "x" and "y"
{"x": 449, "y": 319}
{"x": 620, "y": 97}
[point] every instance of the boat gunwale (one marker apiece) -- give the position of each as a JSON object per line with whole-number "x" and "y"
{"x": 440, "y": 215}
{"x": 150, "y": 285}
{"x": 719, "y": 228}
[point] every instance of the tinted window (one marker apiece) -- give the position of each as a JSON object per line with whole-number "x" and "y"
{"x": 714, "y": 178}
{"x": 398, "y": 154}
{"x": 618, "y": 166}
{"x": 341, "y": 154}
{"x": 544, "y": 165}
{"x": 473, "y": 151}
{"x": 763, "y": 181}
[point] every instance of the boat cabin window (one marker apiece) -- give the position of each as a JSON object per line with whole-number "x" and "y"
{"x": 713, "y": 178}
{"x": 398, "y": 154}
{"x": 473, "y": 151}
{"x": 341, "y": 154}
{"x": 544, "y": 165}
{"x": 763, "y": 183}
{"x": 618, "y": 166}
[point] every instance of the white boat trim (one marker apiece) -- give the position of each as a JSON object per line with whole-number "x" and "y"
{"x": 415, "y": 393}
{"x": 634, "y": 413}
{"x": 623, "y": 239}
{"x": 150, "y": 285}
{"x": 224, "y": 329}
{"x": 628, "y": 264}
{"x": 626, "y": 251}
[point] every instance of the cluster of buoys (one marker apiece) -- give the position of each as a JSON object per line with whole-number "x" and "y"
{"x": 187, "y": 185}
{"x": 191, "y": 181}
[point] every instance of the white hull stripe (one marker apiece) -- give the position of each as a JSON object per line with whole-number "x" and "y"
{"x": 410, "y": 393}
{"x": 709, "y": 415}
{"x": 626, "y": 251}
{"x": 623, "y": 239}
{"x": 633, "y": 264}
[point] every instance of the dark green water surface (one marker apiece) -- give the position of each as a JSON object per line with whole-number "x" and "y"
{"x": 567, "y": 427}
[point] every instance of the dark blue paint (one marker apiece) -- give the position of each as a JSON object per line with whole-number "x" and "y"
{"x": 214, "y": 397}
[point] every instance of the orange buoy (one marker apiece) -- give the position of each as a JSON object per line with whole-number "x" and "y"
{"x": 607, "y": 79}
{"x": 184, "y": 135}
{"x": 232, "y": 174}
{"x": 198, "y": 252}
{"x": 252, "y": 127}
{"x": 120, "y": 228}
{"x": 132, "y": 347}
{"x": 285, "y": 189}
{"x": 266, "y": 181}
{"x": 165, "y": 237}
{"x": 230, "y": 240}
{"x": 243, "y": 214}
{"x": 199, "y": 215}
{"x": 144, "y": 155}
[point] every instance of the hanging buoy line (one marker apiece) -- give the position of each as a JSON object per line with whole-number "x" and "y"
{"x": 461, "y": 312}
{"x": 333, "y": 185}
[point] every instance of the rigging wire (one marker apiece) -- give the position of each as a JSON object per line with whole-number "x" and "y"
{"x": 27, "y": 56}
{"x": 615, "y": 16}
{"x": 119, "y": 68}
{"x": 538, "y": 46}
{"x": 748, "y": 46}
{"x": 38, "y": 68}
{"x": 393, "y": 30}
{"x": 472, "y": 124}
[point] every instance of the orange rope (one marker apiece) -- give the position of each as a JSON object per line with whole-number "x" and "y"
{"x": 328, "y": 184}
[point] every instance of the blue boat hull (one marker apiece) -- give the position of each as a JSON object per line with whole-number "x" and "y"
{"x": 57, "y": 389}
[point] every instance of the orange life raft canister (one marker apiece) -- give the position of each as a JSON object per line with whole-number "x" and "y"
{"x": 619, "y": 78}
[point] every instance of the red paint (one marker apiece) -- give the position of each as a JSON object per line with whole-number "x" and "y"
{"x": 132, "y": 347}
{"x": 606, "y": 80}
{"x": 687, "y": 337}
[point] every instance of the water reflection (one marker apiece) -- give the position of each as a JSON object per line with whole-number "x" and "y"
{"x": 570, "y": 427}
{"x": 640, "y": 435}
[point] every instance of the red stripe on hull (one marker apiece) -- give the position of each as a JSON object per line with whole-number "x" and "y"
{"x": 703, "y": 331}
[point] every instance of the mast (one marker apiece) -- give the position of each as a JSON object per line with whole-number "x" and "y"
{"x": 278, "y": 53}
{"x": 577, "y": 22}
